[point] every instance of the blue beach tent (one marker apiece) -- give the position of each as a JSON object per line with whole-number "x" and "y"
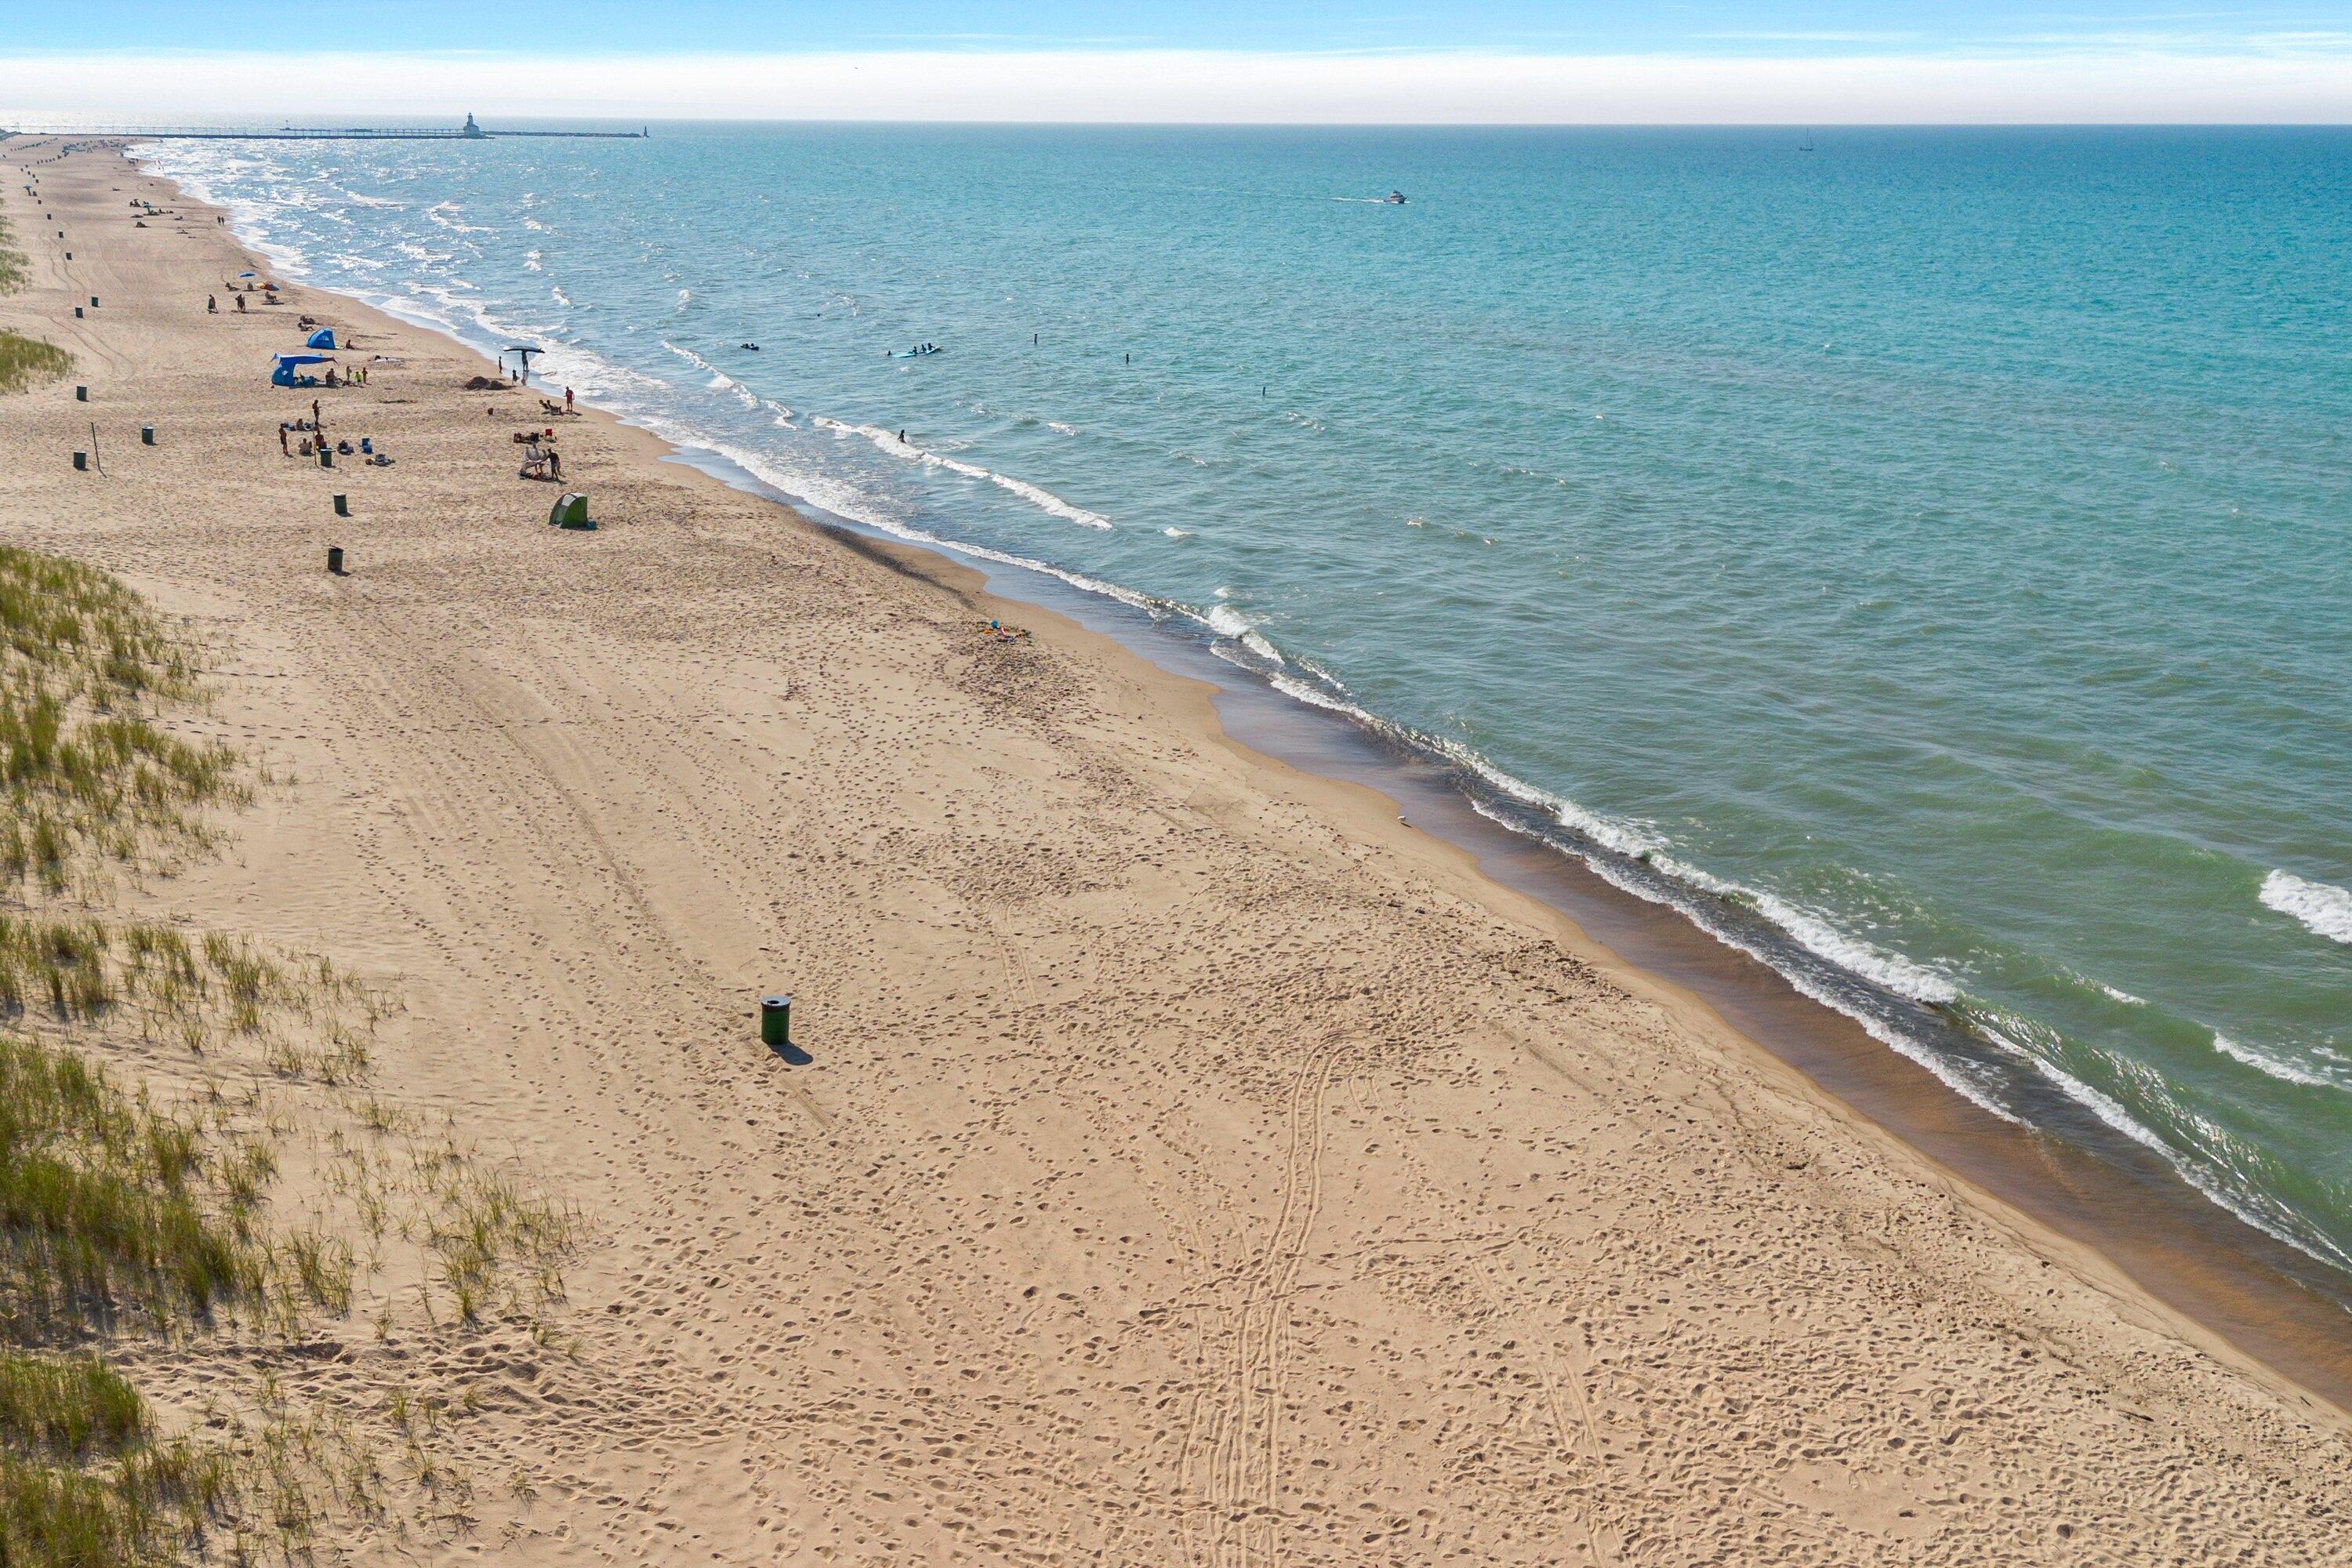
{"x": 324, "y": 337}
{"x": 283, "y": 374}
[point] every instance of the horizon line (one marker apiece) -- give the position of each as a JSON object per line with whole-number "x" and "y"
{"x": 1208, "y": 86}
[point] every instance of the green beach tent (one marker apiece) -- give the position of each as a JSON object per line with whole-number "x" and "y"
{"x": 570, "y": 510}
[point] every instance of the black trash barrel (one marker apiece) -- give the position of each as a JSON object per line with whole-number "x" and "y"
{"x": 776, "y": 1021}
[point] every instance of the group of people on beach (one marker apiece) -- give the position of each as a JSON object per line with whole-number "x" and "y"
{"x": 313, "y": 434}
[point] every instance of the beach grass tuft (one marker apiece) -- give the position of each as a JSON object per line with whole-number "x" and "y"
{"x": 26, "y": 360}
{"x": 12, "y": 272}
{"x": 88, "y": 772}
{"x": 108, "y": 1205}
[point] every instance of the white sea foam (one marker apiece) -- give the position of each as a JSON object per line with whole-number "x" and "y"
{"x": 444, "y": 215}
{"x": 2125, "y": 997}
{"x": 2112, "y": 1111}
{"x": 1624, "y": 834}
{"x": 1037, "y": 496}
{"x": 1953, "y": 1075}
{"x": 2098, "y": 1102}
{"x": 1172, "y": 532}
{"x": 1819, "y": 935}
{"x": 1228, "y": 622}
{"x": 2270, "y": 1065}
{"x": 860, "y": 506}
{"x": 1315, "y": 696}
{"x": 2324, "y": 908}
{"x": 719, "y": 380}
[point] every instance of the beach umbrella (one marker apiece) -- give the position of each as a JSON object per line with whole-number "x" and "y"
{"x": 282, "y": 373}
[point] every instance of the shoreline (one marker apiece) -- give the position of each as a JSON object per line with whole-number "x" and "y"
{"x": 1320, "y": 788}
{"x": 1974, "y": 1063}
{"x": 2126, "y": 1204}
{"x": 2061, "y": 1168}
{"x": 1958, "y": 1041}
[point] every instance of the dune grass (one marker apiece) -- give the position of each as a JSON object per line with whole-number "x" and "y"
{"x": 115, "y": 1215}
{"x": 25, "y": 360}
{"x": 124, "y": 1220}
{"x": 87, "y": 774}
{"x": 70, "y": 1406}
{"x": 110, "y": 1210}
{"x": 108, "y": 1206}
{"x": 139, "y": 1507}
{"x": 13, "y": 273}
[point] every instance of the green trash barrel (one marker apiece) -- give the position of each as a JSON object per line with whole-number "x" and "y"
{"x": 776, "y": 1021}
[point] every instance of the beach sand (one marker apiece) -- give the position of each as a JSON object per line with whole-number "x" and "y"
{"x": 1190, "y": 1163}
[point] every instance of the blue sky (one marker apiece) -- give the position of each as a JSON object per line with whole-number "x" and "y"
{"x": 1807, "y": 62}
{"x": 1757, "y": 28}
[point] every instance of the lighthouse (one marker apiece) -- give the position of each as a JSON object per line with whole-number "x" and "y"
{"x": 473, "y": 130}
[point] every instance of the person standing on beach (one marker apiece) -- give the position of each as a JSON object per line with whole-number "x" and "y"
{"x": 283, "y": 449}
{"x": 567, "y": 400}
{"x": 212, "y": 304}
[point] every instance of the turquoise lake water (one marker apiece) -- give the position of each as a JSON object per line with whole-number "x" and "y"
{"x": 1926, "y": 560}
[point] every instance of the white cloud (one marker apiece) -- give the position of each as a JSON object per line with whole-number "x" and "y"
{"x": 1132, "y": 85}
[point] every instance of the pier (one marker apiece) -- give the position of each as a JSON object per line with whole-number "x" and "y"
{"x": 469, "y": 131}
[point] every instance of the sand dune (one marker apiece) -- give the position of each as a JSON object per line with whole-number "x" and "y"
{"x": 1190, "y": 1166}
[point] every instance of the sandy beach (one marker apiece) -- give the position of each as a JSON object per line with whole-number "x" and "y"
{"x": 1182, "y": 1161}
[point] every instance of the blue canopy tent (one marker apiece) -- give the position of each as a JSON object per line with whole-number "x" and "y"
{"x": 283, "y": 373}
{"x": 324, "y": 337}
